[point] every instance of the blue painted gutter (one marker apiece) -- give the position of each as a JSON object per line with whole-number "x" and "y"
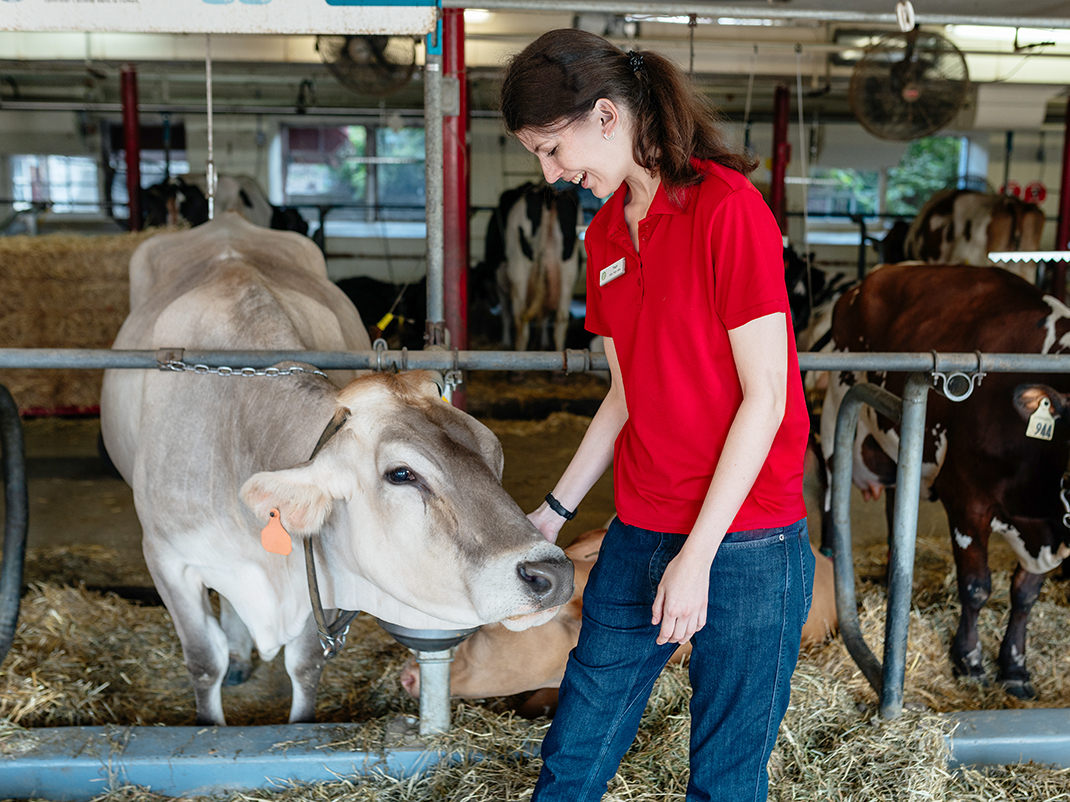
{"x": 75, "y": 764}
{"x": 1002, "y": 737}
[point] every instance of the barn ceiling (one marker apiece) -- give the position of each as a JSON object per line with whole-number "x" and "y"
{"x": 733, "y": 46}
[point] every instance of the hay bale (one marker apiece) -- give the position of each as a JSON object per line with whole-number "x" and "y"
{"x": 62, "y": 291}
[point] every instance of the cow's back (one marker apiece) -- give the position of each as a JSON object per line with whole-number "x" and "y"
{"x": 948, "y": 308}
{"x": 226, "y": 285}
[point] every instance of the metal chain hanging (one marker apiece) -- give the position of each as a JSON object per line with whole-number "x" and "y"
{"x": 178, "y": 366}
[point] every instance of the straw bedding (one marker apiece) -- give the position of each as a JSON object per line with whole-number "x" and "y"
{"x": 86, "y": 658}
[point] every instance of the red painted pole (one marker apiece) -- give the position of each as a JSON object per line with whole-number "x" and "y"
{"x": 781, "y": 156}
{"x": 131, "y": 142}
{"x": 455, "y": 188}
{"x": 1062, "y": 231}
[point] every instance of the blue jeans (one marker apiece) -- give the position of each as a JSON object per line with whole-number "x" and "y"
{"x": 741, "y": 664}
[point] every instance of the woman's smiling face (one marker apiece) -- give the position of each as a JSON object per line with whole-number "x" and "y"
{"x": 580, "y": 153}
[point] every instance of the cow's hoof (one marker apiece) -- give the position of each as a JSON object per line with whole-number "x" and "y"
{"x": 969, "y": 674}
{"x": 1019, "y": 688}
{"x": 238, "y": 671}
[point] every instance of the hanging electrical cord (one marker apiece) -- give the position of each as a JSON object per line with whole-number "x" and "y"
{"x": 209, "y": 174}
{"x": 750, "y": 94}
{"x": 692, "y": 22}
{"x": 804, "y": 170}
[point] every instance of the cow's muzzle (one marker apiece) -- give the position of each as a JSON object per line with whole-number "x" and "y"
{"x": 549, "y": 581}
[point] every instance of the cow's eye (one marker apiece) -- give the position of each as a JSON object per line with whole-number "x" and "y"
{"x": 400, "y": 476}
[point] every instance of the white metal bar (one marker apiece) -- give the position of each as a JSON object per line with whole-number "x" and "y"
{"x": 1030, "y": 256}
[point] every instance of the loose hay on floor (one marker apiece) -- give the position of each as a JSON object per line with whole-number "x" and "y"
{"x": 86, "y": 658}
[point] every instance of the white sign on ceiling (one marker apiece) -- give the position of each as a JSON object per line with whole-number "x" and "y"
{"x": 221, "y": 16}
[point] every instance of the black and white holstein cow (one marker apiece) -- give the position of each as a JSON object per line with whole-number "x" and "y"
{"x": 400, "y": 500}
{"x": 184, "y": 199}
{"x": 977, "y": 458}
{"x": 538, "y": 263}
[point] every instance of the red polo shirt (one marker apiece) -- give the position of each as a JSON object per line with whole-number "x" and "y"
{"x": 704, "y": 268}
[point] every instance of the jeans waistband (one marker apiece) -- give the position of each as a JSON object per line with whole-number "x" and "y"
{"x": 746, "y": 535}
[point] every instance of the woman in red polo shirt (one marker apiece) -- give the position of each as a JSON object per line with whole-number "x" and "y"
{"x": 705, "y": 422}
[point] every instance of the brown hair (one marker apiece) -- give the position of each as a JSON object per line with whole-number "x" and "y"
{"x": 558, "y": 78}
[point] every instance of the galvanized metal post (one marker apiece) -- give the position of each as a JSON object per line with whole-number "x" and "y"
{"x": 434, "y": 691}
{"x": 455, "y": 177}
{"x": 16, "y": 518}
{"x": 433, "y": 175}
{"x": 904, "y": 536}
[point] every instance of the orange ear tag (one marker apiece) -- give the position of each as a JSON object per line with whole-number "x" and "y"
{"x": 274, "y": 538}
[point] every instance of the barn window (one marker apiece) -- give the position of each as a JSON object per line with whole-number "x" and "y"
{"x": 359, "y": 173}
{"x": 835, "y": 191}
{"x": 68, "y": 183}
{"x": 927, "y": 166}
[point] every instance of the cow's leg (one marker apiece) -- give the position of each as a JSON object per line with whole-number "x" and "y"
{"x": 239, "y": 643}
{"x": 505, "y": 305}
{"x": 304, "y": 663}
{"x": 204, "y": 643}
{"x": 561, "y": 327}
{"x": 969, "y": 542}
{"x": 522, "y": 324}
{"x": 1025, "y": 588}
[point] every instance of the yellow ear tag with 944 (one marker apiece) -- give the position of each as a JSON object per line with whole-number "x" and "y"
{"x": 273, "y": 537}
{"x": 1041, "y": 423}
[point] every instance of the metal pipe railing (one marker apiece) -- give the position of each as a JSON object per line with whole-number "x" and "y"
{"x": 570, "y": 361}
{"x": 16, "y": 505}
{"x": 886, "y": 678}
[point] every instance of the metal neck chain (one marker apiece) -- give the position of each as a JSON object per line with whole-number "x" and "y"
{"x": 179, "y": 366}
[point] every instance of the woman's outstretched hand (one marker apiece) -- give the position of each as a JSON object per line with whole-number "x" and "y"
{"x": 547, "y": 522}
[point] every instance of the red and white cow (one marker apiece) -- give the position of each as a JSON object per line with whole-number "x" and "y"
{"x": 959, "y": 226}
{"x": 540, "y": 264}
{"x": 400, "y": 502}
{"x": 977, "y": 459}
{"x": 497, "y": 662}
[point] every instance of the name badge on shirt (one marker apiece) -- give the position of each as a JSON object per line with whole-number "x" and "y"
{"x": 615, "y": 270}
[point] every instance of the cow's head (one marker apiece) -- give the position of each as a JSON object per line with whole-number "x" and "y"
{"x": 1029, "y": 398}
{"x": 406, "y": 495}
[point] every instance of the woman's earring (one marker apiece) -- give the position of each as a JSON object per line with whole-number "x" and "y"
{"x": 609, "y": 137}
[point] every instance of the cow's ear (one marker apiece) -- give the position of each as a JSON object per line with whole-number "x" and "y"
{"x": 299, "y": 494}
{"x": 1027, "y": 398}
{"x": 490, "y": 447}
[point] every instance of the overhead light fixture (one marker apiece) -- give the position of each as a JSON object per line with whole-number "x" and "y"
{"x": 1007, "y": 35}
{"x": 754, "y": 22}
{"x": 476, "y": 16}
{"x": 682, "y": 19}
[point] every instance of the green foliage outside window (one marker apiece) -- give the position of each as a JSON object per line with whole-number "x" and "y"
{"x": 353, "y": 173}
{"x": 929, "y": 165}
